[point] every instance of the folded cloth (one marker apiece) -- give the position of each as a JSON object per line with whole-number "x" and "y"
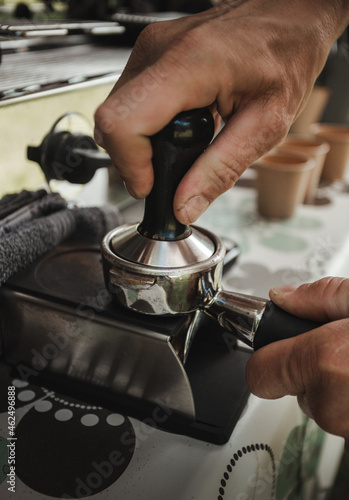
{"x": 12, "y": 202}
{"x": 25, "y": 238}
{"x": 18, "y": 214}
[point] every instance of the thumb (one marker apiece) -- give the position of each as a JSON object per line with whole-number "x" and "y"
{"x": 283, "y": 368}
{"x": 324, "y": 300}
{"x": 313, "y": 367}
{"x": 250, "y": 132}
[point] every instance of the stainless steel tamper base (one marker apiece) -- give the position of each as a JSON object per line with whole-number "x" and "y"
{"x": 182, "y": 287}
{"x": 128, "y": 243}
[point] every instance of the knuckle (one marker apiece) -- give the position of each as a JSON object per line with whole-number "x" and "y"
{"x": 104, "y": 116}
{"x": 99, "y": 115}
{"x": 328, "y": 286}
{"x": 111, "y": 112}
{"x": 302, "y": 365}
{"x": 98, "y": 136}
{"x": 279, "y": 122}
{"x": 276, "y": 123}
{"x": 224, "y": 177}
{"x": 333, "y": 293}
{"x": 147, "y": 39}
{"x": 343, "y": 297}
{"x": 103, "y": 122}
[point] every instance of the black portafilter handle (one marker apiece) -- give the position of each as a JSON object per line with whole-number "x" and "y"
{"x": 175, "y": 148}
{"x": 277, "y": 324}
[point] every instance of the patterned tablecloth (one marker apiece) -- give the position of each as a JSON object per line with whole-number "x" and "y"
{"x": 66, "y": 448}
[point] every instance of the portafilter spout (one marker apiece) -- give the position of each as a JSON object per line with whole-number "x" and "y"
{"x": 162, "y": 267}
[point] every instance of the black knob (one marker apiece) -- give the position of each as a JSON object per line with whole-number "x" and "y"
{"x": 175, "y": 148}
{"x": 68, "y": 156}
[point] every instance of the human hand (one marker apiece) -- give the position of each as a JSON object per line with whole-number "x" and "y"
{"x": 253, "y": 62}
{"x": 315, "y": 365}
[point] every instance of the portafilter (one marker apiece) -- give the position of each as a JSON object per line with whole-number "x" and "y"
{"x": 162, "y": 267}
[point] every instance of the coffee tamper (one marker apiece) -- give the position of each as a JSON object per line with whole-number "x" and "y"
{"x": 162, "y": 267}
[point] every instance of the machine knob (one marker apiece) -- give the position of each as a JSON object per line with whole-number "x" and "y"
{"x": 69, "y": 156}
{"x": 175, "y": 148}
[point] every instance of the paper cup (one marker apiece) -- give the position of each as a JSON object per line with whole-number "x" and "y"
{"x": 337, "y": 159}
{"x": 282, "y": 180}
{"x": 317, "y": 148}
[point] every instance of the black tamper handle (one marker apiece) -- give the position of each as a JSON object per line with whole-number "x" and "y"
{"x": 175, "y": 148}
{"x": 277, "y": 324}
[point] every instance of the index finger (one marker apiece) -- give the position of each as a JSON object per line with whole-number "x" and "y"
{"x": 141, "y": 108}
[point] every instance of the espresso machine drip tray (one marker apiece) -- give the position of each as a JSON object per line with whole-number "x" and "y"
{"x": 61, "y": 327}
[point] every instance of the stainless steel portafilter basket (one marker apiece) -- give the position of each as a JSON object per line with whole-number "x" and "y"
{"x": 162, "y": 267}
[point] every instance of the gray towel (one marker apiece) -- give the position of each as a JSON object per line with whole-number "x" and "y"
{"x": 12, "y": 202}
{"x": 29, "y": 232}
{"x": 15, "y": 215}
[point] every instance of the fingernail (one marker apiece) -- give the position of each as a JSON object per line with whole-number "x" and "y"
{"x": 282, "y": 290}
{"x": 193, "y": 208}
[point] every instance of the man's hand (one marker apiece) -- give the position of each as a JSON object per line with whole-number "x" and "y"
{"x": 313, "y": 366}
{"x": 254, "y": 62}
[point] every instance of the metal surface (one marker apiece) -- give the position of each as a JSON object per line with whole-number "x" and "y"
{"x": 125, "y": 359}
{"x": 237, "y": 313}
{"x": 162, "y": 290}
{"x": 13, "y": 29}
{"x": 27, "y": 73}
{"x": 130, "y": 245}
{"x": 144, "y": 19}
